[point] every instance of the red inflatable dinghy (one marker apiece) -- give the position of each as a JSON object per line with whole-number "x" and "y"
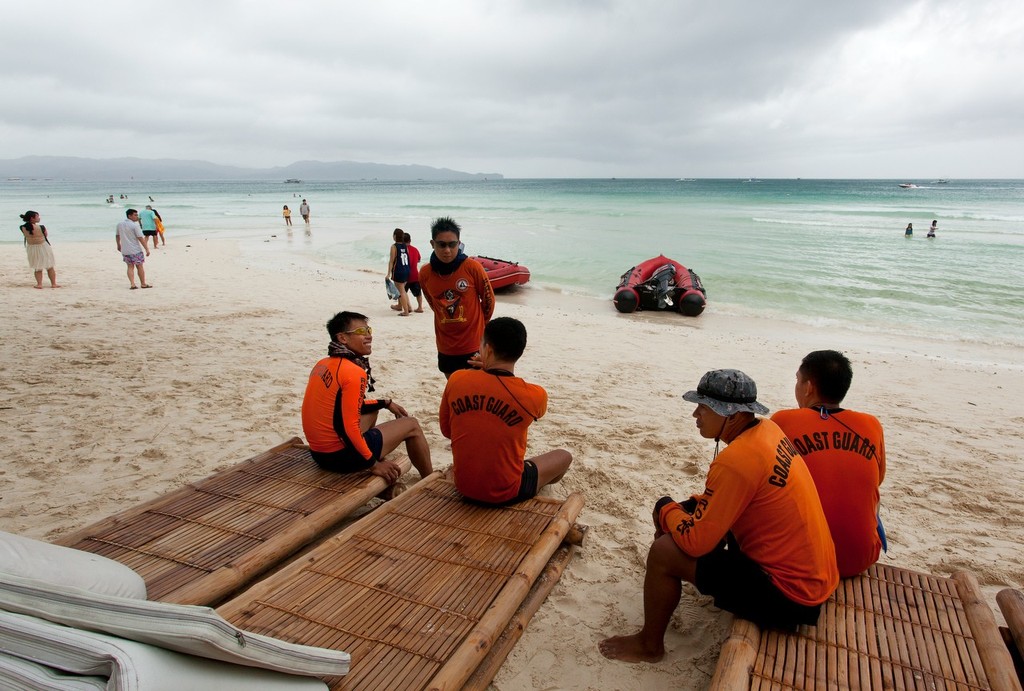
{"x": 660, "y": 283}
{"x": 502, "y": 273}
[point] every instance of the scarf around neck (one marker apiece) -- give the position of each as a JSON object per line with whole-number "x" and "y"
{"x": 443, "y": 269}
{"x": 335, "y": 349}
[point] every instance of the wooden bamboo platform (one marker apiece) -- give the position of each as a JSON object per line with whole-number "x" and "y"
{"x": 203, "y": 542}
{"x": 427, "y": 592}
{"x": 887, "y": 629}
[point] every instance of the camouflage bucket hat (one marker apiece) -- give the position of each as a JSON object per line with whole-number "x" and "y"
{"x": 727, "y": 391}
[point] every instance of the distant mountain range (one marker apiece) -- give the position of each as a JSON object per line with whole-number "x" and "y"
{"x": 120, "y": 169}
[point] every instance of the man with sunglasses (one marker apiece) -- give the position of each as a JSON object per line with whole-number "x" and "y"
{"x": 460, "y": 295}
{"x": 340, "y": 423}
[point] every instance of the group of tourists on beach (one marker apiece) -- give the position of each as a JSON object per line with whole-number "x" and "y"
{"x": 132, "y": 236}
{"x": 788, "y": 508}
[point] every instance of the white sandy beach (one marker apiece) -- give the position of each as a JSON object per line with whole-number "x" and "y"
{"x": 112, "y": 396}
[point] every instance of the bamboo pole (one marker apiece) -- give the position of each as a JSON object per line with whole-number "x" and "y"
{"x": 236, "y": 606}
{"x": 1011, "y": 604}
{"x": 736, "y": 660}
{"x": 476, "y": 645}
{"x": 228, "y": 578}
{"x": 485, "y": 671}
{"x": 994, "y": 655}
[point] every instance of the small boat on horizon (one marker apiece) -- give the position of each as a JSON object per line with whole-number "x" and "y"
{"x": 293, "y": 181}
{"x": 502, "y": 273}
{"x": 908, "y": 185}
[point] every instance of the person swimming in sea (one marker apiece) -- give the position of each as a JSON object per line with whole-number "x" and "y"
{"x": 931, "y": 231}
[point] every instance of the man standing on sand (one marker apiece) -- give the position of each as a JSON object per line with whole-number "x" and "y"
{"x": 132, "y": 245}
{"x": 147, "y": 219}
{"x": 755, "y": 539}
{"x": 304, "y": 210}
{"x": 845, "y": 452}
{"x": 486, "y": 414}
{"x": 340, "y": 423}
{"x": 458, "y": 292}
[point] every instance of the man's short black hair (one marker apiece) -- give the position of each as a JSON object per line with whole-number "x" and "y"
{"x": 129, "y": 212}
{"x": 445, "y": 225}
{"x": 831, "y": 373}
{"x": 342, "y": 321}
{"x": 507, "y": 336}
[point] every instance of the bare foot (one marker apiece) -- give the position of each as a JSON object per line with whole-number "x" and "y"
{"x": 629, "y": 649}
{"x": 396, "y": 307}
{"x": 419, "y": 310}
{"x": 55, "y": 285}
{"x": 38, "y": 287}
{"x": 403, "y": 314}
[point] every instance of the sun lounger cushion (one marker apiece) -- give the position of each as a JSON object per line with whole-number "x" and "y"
{"x": 189, "y": 629}
{"x": 28, "y": 558}
{"x": 132, "y": 666}
{"x": 16, "y": 673}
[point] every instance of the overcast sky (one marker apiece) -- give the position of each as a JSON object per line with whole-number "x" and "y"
{"x": 528, "y": 88}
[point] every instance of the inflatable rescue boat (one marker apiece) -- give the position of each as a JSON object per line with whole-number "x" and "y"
{"x": 503, "y": 274}
{"x": 660, "y": 283}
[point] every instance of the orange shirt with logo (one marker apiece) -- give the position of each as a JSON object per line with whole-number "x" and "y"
{"x": 759, "y": 489}
{"x": 845, "y": 453}
{"x": 334, "y": 401}
{"x": 462, "y": 302}
{"x": 486, "y": 416}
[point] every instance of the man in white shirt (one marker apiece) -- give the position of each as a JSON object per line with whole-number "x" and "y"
{"x": 134, "y": 248}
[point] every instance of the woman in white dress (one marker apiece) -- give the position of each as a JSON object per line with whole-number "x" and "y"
{"x": 37, "y": 245}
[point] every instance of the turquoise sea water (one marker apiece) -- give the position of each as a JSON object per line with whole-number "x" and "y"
{"x": 815, "y": 251}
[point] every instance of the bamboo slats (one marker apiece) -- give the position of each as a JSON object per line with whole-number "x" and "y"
{"x": 1011, "y": 604}
{"x": 203, "y": 542}
{"x": 887, "y": 629}
{"x": 418, "y": 592}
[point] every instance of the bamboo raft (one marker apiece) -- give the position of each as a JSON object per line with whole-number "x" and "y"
{"x": 203, "y": 542}
{"x": 427, "y": 592}
{"x": 887, "y": 629}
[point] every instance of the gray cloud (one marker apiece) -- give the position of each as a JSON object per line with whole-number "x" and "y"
{"x": 526, "y": 88}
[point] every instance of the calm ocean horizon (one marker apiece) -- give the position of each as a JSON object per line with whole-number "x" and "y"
{"x": 820, "y": 252}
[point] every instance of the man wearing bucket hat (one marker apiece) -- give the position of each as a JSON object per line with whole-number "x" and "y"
{"x": 755, "y": 539}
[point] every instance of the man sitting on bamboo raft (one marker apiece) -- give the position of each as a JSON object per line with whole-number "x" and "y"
{"x": 755, "y": 539}
{"x": 486, "y": 413}
{"x": 340, "y": 423}
{"x": 845, "y": 452}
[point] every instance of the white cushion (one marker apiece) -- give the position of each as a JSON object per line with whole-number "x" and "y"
{"x": 28, "y": 558}
{"x": 132, "y": 666}
{"x": 16, "y": 673}
{"x": 189, "y": 629}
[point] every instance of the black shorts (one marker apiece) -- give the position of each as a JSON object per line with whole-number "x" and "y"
{"x": 149, "y": 233}
{"x": 453, "y": 363}
{"x": 527, "y": 487}
{"x": 739, "y": 585}
{"x": 348, "y": 460}
{"x": 414, "y": 288}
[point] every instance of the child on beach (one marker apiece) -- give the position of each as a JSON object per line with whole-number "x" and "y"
{"x": 398, "y": 270}
{"x": 37, "y": 245}
{"x": 287, "y": 213}
{"x": 413, "y": 286}
{"x": 457, "y": 290}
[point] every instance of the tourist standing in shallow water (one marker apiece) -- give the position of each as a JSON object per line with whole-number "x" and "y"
{"x": 931, "y": 231}
{"x": 909, "y": 232}
{"x": 37, "y": 245}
